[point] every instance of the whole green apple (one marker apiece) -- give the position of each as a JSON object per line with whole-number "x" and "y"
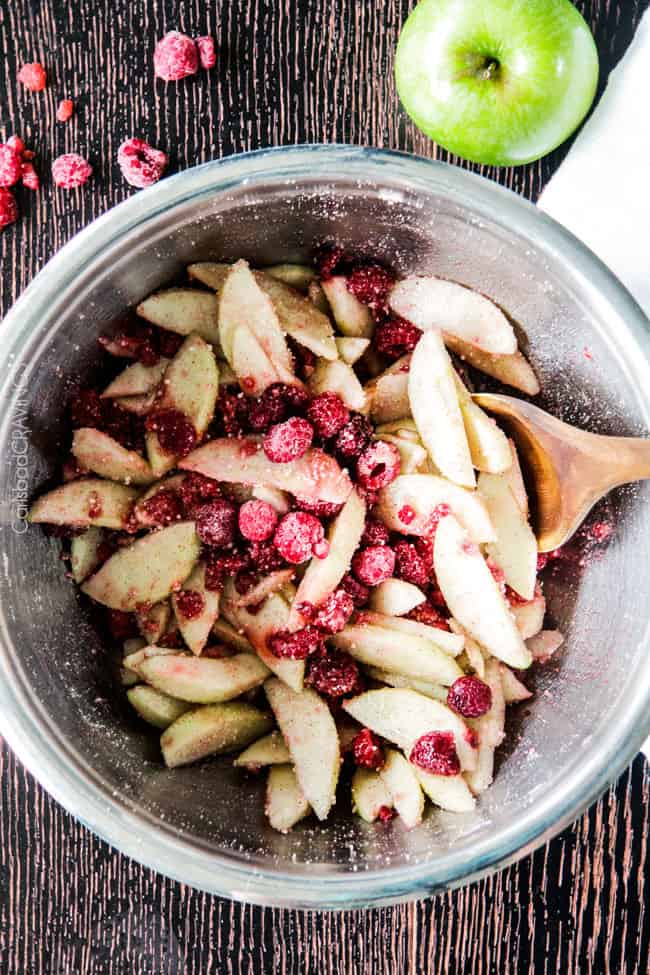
{"x": 500, "y": 82}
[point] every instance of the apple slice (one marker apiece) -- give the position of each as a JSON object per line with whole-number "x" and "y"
{"x": 340, "y": 378}
{"x": 513, "y": 370}
{"x": 402, "y": 716}
{"x": 211, "y": 274}
{"x": 352, "y": 317}
{"x": 515, "y": 480}
{"x": 241, "y": 460}
{"x": 195, "y": 631}
{"x": 388, "y": 393}
{"x": 299, "y": 317}
{"x": 433, "y": 303}
{"x": 310, "y": 735}
{"x": 135, "y": 657}
{"x": 87, "y": 501}
{"x": 102, "y": 455}
{"x": 422, "y": 494}
{"x": 183, "y": 310}
{"x": 513, "y": 689}
{"x": 544, "y": 644}
{"x": 409, "y": 655}
{"x": 490, "y": 731}
{"x": 157, "y": 709}
{"x": 147, "y": 570}
{"x": 212, "y": 730}
{"x": 435, "y": 691}
{"x": 269, "y": 750}
{"x": 136, "y": 380}
{"x": 449, "y": 792}
{"x": 153, "y": 621}
{"x": 350, "y": 349}
{"x": 140, "y": 405}
{"x": 277, "y": 499}
{"x": 265, "y": 586}
{"x": 226, "y": 632}
{"x": 515, "y": 548}
{"x": 171, "y": 483}
{"x": 404, "y": 428}
{"x": 298, "y": 276}
{"x": 318, "y": 298}
{"x": 369, "y": 794}
{"x": 258, "y": 627}
{"x": 401, "y": 782}
{"x": 394, "y": 597}
{"x": 473, "y": 596}
{"x": 474, "y": 653}
{"x": 323, "y": 575}
{"x": 203, "y": 680}
{"x": 529, "y": 617}
{"x": 84, "y": 553}
{"x": 436, "y": 411}
{"x": 285, "y": 803}
{"x": 413, "y": 457}
{"x": 488, "y": 444}
{"x": 451, "y": 643}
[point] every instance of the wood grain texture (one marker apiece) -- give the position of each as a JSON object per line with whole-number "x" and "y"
{"x": 289, "y": 71}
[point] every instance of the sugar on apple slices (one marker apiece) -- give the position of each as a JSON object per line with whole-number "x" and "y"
{"x": 212, "y": 729}
{"x": 196, "y": 631}
{"x": 422, "y": 495}
{"x": 514, "y": 549}
{"x": 97, "y": 452}
{"x": 401, "y": 782}
{"x": 183, "y": 310}
{"x": 369, "y": 794}
{"x": 136, "y": 380}
{"x": 353, "y": 318}
{"x": 512, "y": 370}
{"x": 406, "y": 654}
{"x": 285, "y": 803}
{"x": 154, "y": 707}
{"x": 85, "y": 553}
{"x": 203, "y": 680}
{"x": 269, "y": 750}
{"x": 87, "y": 501}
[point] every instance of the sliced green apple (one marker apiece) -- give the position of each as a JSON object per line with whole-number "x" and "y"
{"x": 134, "y": 657}
{"x": 515, "y": 479}
{"x": 351, "y": 317}
{"x": 298, "y": 276}
{"x": 490, "y": 731}
{"x": 269, "y": 750}
{"x": 544, "y": 644}
{"x": 473, "y": 596}
{"x": 488, "y": 444}
{"x": 171, "y": 483}
{"x": 84, "y": 553}
{"x": 435, "y": 691}
{"x": 183, "y": 310}
{"x": 154, "y": 707}
{"x": 340, "y": 378}
{"x": 86, "y": 501}
{"x": 153, "y": 621}
{"x": 103, "y": 455}
{"x": 203, "y": 680}
{"x": 394, "y": 597}
{"x": 449, "y": 792}
{"x": 227, "y": 633}
{"x": 529, "y": 617}
{"x": 410, "y": 655}
{"x": 212, "y": 730}
{"x": 277, "y": 499}
{"x": 351, "y": 349}
{"x": 388, "y": 393}
{"x": 423, "y": 494}
{"x": 265, "y": 586}
{"x": 299, "y": 317}
{"x": 399, "y": 778}
{"x": 211, "y": 274}
{"x": 513, "y": 370}
{"x": 148, "y": 570}
{"x": 136, "y": 380}
{"x": 272, "y": 617}
{"x": 140, "y": 405}
{"x": 310, "y": 734}
{"x": 196, "y": 631}
{"x": 515, "y": 548}
{"x": 513, "y": 689}
{"x": 369, "y": 794}
{"x": 451, "y": 643}
{"x": 285, "y": 802}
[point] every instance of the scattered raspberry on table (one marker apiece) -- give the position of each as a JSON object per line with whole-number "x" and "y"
{"x": 33, "y": 76}
{"x": 71, "y": 170}
{"x": 140, "y": 163}
{"x": 176, "y": 56}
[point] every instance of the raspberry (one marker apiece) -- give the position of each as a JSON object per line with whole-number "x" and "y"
{"x": 295, "y": 646}
{"x": 374, "y": 533}
{"x": 471, "y": 737}
{"x": 190, "y": 603}
{"x": 232, "y": 415}
{"x": 429, "y": 615}
{"x": 370, "y": 285}
{"x": 298, "y": 536}
{"x": 10, "y": 166}
{"x": 269, "y": 409}
{"x": 542, "y": 560}
{"x": 424, "y": 548}
{"x": 265, "y": 556}
{"x": 367, "y": 751}
{"x": 29, "y": 176}
{"x": 335, "y": 675}
{"x": 168, "y": 342}
{"x": 406, "y": 514}
{"x": 257, "y": 520}
{"x": 94, "y": 505}
{"x": 196, "y": 489}
{"x": 378, "y": 465}
{"x": 330, "y": 260}
{"x": 386, "y": 813}
{"x": 207, "y": 53}
{"x": 216, "y": 523}
{"x": 163, "y": 508}
{"x": 140, "y": 163}
{"x": 332, "y": 615}
{"x": 328, "y": 414}
{"x": 219, "y": 566}
{"x": 72, "y": 470}
{"x": 65, "y": 110}
{"x": 175, "y": 57}
{"x": 395, "y": 337}
{"x": 71, "y": 170}
{"x": 353, "y": 438}
{"x": 288, "y": 441}
{"x": 86, "y": 409}
{"x": 175, "y": 432}
{"x": 322, "y": 509}
{"x": 436, "y": 752}
{"x": 304, "y": 360}
{"x": 360, "y": 594}
{"x": 374, "y": 564}
{"x": 33, "y": 76}
{"x": 410, "y": 566}
{"x": 121, "y": 625}
{"x": 469, "y": 697}
{"x": 16, "y": 143}
{"x": 8, "y": 208}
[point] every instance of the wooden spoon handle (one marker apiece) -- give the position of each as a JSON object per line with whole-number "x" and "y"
{"x": 624, "y": 459}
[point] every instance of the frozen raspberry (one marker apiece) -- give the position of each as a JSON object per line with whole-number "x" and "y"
{"x": 288, "y": 441}
{"x": 190, "y": 603}
{"x": 29, "y": 176}
{"x": 330, "y": 260}
{"x": 386, "y": 813}
{"x": 8, "y": 208}
{"x": 207, "y": 52}
{"x": 471, "y": 737}
{"x": 374, "y": 533}
{"x": 265, "y": 556}
{"x": 16, "y": 143}
{"x": 196, "y": 489}
{"x": 175, "y": 432}
{"x": 328, "y": 414}
{"x": 410, "y": 566}
{"x": 140, "y": 163}
{"x": 65, "y": 110}
{"x": 322, "y": 509}
{"x": 86, "y": 409}
{"x": 469, "y": 697}
{"x": 221, "y": 566}
{"x": 424, "y": 548}
{"x": 332, "y": 615}
{"x": 378, "y": 465}
{"x": 353, "y": 438}
{"x": 10, "y": 166}
{"x": 298, "y": 536}
{"x": 295, "y": 646}
{"x": 374, "y": 564}
{"x": 304, "y": 360}
{"x": 360, "y": 594}
{"x": 269, "y": 409}
{"x": 295, "y": 397}
{"x": 168, "y": 342}
{"x": 33, "y": 76}
{"x": 396, "y": 337}
{"x": 175, "y": 57}
{"x": 542, "y": 560}
{"x": 257, "y": 520}
{"x": 429, "y": 615}
{"x": 216, "y": 522}
{"x": 71, "y": 170}
{"x": 436, "y": 752}
{"x": 163, "y": 508}
{"x": 366, "y": 750}
{"x": 231, "y": 419}
{"x": 370, "y": 284}
{"x": 121, "y": 625}
{"x": 406, "y": 514}
{"x": 335, "y": 675}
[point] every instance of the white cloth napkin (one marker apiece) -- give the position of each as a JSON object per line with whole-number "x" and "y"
{"x": 601, "y": 192}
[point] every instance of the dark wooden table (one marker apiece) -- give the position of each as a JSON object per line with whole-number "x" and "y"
{"x": 289, "y": 71}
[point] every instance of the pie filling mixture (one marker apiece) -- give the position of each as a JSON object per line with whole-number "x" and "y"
{"x": 310, "y": 543}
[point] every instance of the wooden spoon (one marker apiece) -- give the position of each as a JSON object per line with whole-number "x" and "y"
{"x": 571, "y": 468}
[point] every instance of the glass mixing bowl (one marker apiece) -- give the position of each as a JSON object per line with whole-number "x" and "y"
{"x": 60, "y": 708}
